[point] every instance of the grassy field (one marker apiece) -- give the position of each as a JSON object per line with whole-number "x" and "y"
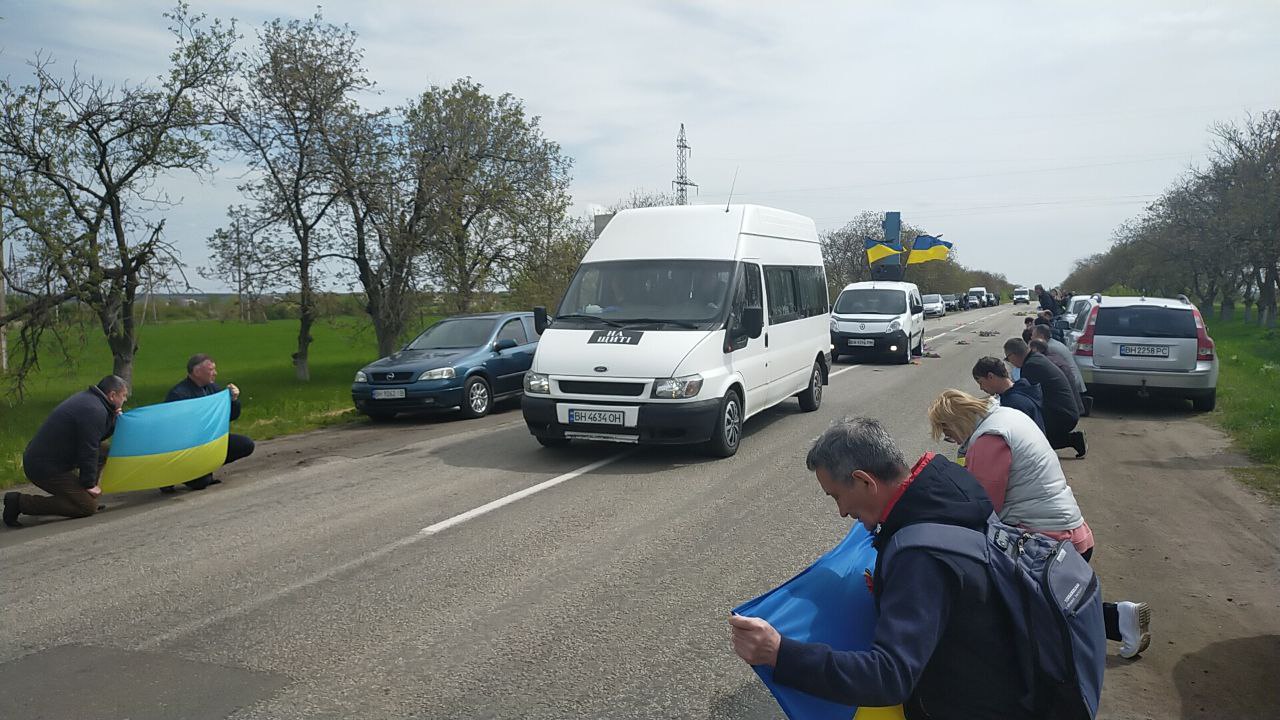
{"x": 1249, "y": 398}
{"x": 256, "y": 357}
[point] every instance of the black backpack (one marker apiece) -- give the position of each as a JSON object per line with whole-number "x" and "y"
{"x": 1055, "y": 604}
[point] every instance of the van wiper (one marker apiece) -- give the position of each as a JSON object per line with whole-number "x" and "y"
{"x": 583, "y": 316}
{"x": 657, "y": 321}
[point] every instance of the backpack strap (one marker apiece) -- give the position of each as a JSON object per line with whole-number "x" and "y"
{"x": 951, "y": 539}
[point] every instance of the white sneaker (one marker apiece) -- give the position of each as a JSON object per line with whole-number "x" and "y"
{"x": 1135, "y": 628}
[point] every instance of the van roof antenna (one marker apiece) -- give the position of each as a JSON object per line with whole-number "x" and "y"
{"x": 731, "y": 186}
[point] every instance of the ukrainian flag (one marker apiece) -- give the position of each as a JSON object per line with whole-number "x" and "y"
{"x": 926, "y": 248}
{"x": 167, "y": 444}
{"x": 879, "y": 249}
{"x": 829, "y": 602}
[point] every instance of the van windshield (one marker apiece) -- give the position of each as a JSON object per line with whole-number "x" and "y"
{"x": 870, "y": 301}
{"x": 675, "y": 294}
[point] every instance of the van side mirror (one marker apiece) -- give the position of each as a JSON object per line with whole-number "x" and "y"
{"x": 540, "y": 321}
{"x": 752, "y": 321}
{"x": 504, "y": 344}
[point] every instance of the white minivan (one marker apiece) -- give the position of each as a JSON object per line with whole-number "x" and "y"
{"x": 681, "y": 323}
{"x": 878, "y": 318}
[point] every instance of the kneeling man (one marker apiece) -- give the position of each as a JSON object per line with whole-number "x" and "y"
{"x": 201, "y": 373}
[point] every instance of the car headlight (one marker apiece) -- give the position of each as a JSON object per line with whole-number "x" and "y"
{"x": 537, "y": 383}
{"x": 676, "y": 388}
{"x": 895, "y": 326}
{"x": 444, "y": 373}
{"x": 834, "y": 325}
{"x": 361, "y": 377}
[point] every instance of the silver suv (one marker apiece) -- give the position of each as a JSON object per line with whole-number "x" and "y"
{"x": 1152, "y": 344}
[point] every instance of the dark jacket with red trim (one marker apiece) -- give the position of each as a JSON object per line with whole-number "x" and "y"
{"x": 943, "y": 643}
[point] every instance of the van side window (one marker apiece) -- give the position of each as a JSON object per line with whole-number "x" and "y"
{"x": 784, "y": 304}
{"x": 812, "y": 283}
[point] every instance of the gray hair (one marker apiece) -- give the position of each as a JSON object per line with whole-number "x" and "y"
{"x": 112, "y": 383}
{"x": 857, "y": 444}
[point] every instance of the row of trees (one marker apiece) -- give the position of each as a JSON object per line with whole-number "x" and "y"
{"x": 456, "y": 190}
{"x": 844, "y": 252}
{"x": 1213, "y": 235}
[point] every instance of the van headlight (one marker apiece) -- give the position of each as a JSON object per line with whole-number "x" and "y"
{"x": 444, "y": 373}
{"x": 895, "y": 326}
{"x": 537, "y": 383}
{"x": 361, "y": 377}
{"x": 834, "y": 325}
{"x": 676, "y": 388}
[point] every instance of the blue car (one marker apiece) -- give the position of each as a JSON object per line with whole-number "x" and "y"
{"x": 467, "y": 361}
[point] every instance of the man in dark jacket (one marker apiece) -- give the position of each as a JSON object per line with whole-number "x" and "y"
{"x": 1047, "y": 301}
{"x": 1061, "y": 414}
{"x": 66, "y": 455}
{"x": 992, "y": 375}
{"x": 201, "y": 373}
{"x": 941, "y": 646}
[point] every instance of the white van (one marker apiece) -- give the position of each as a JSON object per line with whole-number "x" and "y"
{"x": 681, "y": 323}
{"x": 978, "y": 296}
{"x": 878, "y": 318}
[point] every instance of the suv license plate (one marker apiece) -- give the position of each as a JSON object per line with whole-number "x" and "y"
{"x": 597, "y": 417}
{"x": 388, "y": 394}
{"x": 861, "y": 342}
{"x": 1144, "y": 350}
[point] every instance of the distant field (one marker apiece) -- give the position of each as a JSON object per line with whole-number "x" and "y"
{"x": 254, "y": 357}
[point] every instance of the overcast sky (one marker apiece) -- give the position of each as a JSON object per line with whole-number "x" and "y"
{"x": 1024, "y": 132}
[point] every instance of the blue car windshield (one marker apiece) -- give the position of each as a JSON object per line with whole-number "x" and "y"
{"x": 452, "y": 334}
{"x": 675, "y": 293}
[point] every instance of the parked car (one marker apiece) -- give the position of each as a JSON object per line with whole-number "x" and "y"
{"x": 1154, "y": 345}
{"x": 934, "y": 306}
{"x": 466, "y": 361}
{"x": 952, "y": 302}
{"x": 1073, "y": 307}
{"x": 977, "y": 296}
{"x": 1021, "y": 295}
{"x": 680, "y": 324}
{"x": 992, "y": 299}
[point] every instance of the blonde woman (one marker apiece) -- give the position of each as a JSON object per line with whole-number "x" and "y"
{"x": 1012, "y": 460}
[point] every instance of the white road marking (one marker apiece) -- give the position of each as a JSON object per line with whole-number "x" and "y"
{"x": 426, "y": 532}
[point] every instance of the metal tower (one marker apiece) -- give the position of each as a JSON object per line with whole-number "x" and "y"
{"x": 681, "y": 183}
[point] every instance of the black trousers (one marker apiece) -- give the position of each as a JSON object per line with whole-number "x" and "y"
{"x": 1110, "y": 613}
{"x": 1058, "y": 427}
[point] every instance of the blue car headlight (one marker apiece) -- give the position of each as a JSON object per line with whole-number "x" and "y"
{"x": 361, "y": 377}
{"x": 444, "y": 373}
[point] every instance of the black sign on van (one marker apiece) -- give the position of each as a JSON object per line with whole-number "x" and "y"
{"x": 615, "y": 337}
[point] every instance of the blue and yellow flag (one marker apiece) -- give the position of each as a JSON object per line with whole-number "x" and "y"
{"x": 928, "y": 247}
{"x": 880, "y": 249}
{"x": 829, "y": 602}
{"x": 167, "y": 444}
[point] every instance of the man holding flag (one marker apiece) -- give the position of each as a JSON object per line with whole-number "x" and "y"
{"x": 941, "y": 646}
{"x": 199, "y": 382}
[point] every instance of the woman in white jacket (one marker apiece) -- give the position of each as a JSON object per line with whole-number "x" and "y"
{"x": 1014, "y": 463}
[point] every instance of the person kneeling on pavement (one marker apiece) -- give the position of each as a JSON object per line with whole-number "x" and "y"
{"x": 201, "y": 373}
{"x": 941, "y": 646}
{"x": 66, "y": 455}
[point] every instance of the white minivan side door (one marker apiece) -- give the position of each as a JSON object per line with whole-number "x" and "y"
{"x": 749, "y": 356}
{"x": 791, "y": 352}
{"x": 917, "y": 319}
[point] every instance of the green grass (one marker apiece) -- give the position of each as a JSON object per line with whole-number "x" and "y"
{"x": 1249, "y": 398}
{"x": 254, "y": 357}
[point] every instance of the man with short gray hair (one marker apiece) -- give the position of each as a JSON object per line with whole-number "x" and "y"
{"x": 942, "y": 639}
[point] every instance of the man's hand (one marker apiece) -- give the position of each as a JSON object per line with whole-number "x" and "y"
{"x": 235, "y": 391}
{"x": 755, "y": 640}
{"x": 95, "y": 490}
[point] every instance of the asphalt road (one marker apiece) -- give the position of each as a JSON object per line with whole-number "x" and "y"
{"x": 342, "y": 574}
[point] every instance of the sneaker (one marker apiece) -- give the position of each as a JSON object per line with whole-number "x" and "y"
{"x": 1079, "y": 444}
{"x": 11, "y": 510}
{"x": 1135, "y": 628}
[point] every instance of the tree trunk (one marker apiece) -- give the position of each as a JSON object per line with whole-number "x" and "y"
{"x": 1267, "y": 298}
{"x": 306, "y": 318}
{"x": 1227, "y": 309}
{"x": 123, "y": 347}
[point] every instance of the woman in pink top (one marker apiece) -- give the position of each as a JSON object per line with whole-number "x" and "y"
{"x": 1014, "y": 463}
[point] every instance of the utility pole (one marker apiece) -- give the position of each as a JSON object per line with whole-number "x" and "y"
{"x": 4, "y": 300}
{"x": 681, "y": 183}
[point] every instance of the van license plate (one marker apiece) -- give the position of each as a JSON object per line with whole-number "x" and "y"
{"x": 861, "y": 342}
{"x": 1144, "y": 350}
{"x": 388, "y": 394}
{"x": 597, "y": 417}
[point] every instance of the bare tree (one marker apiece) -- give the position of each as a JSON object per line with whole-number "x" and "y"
{"x": 290, "y": 88}
{"x": 91, "y": 155}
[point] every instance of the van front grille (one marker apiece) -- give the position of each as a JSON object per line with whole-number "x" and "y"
{"x": 592, "y": 387}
